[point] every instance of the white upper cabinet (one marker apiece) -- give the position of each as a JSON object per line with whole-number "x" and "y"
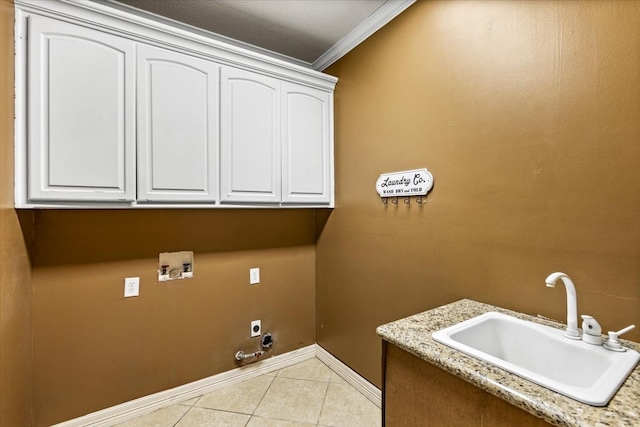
{"x": 81, "y": 126}
{"x": 275, "y": 140}
{"x": 306, "y": 145}
{"x": 115, "y": 110}
{"x": 250, "y": 117}
{"x": 177, "y": 127}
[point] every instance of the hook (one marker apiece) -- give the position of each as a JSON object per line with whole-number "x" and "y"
{"x": 385, "y": 200}
{"x": 419, "y": 200}
{"x": 395, "y": 200}
{"x": 407, "y": 200}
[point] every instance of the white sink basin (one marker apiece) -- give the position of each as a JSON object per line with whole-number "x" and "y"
{"x": 588, "y": 373}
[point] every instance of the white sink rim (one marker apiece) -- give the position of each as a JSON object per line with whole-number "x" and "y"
{"x": 597, "y": 394}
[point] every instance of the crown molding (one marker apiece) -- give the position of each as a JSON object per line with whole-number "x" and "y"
{"x": 383, "y": 15}
{"x": 204, "y": 33}
{"x": 373, "y": 23}
{"x": 152, "y": 29}
{"x": 378, "y": 19}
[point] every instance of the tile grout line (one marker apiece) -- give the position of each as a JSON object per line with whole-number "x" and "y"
{"x": 183, "y": 415}
{"x": 262, "y": 398}
{"x": 227, "y": 411}
{"x": 324, "y": 398}
{"x": 188, "y": 410}
{"x": 327, "y": 383}
{"x": 298, "y": 379}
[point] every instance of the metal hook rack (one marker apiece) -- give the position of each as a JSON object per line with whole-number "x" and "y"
{"x": 407, "y": 200}
{"x": 421, "y": 200}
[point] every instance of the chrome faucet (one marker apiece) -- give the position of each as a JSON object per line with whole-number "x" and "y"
{"x": 572, "y": 306}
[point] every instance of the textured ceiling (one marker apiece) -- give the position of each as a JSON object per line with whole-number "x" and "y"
{"x": 301, "y": 29}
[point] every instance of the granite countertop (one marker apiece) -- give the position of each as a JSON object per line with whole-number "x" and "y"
{"x": 413, "y": 334}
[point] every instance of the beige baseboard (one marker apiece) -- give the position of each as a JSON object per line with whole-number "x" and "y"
{"x": 369, "y": 390}
{"x": 144, "y": 405}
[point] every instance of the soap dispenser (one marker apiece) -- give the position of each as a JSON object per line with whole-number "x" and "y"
{"x": 614, "y": 344}
{"x": 591, "y": 330}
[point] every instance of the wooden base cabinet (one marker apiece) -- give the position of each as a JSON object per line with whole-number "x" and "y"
{"x": 419, "y": 394}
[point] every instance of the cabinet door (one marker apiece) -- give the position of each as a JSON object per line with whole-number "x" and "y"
{"x": 307, "y": 142}
{"x": 250, "y": 137}
{"x": 81, "y": 118}
{"x": 177, "y": 126}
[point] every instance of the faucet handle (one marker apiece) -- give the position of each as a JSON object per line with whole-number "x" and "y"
{"x": 591, "y": 330}
{"x": 613, "y": 343}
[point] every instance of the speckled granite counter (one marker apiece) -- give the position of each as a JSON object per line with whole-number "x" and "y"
{"x": 413, "y": 334}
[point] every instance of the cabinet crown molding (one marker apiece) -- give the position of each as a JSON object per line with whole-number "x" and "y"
{"x": 175, "y": 36}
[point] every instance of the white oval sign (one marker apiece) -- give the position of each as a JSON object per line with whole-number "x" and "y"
{"x": 406, "y": 183}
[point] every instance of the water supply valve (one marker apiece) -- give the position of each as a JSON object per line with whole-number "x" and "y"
{"x": 241, "y": 355}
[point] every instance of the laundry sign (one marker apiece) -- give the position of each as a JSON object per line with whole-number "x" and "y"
{"x": 415, "y": 182}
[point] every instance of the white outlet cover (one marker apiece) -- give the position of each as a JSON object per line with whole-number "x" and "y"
{"x": 254, "y": 276}
{"x": 255, "y": 333}
{"x": 131, "y": 287}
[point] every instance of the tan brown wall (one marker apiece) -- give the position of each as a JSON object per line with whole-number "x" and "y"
{"x": 528, "y": 115}
{"x": 94, "y": 349}
{"x": 15, "y": 270}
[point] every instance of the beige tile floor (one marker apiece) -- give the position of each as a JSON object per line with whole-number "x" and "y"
{"x": 303, "y": 395}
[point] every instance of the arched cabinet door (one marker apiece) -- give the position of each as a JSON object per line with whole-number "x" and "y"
{"x": 177, "y": 127}
{"x": 250, "y": 146}
{"x": 306, "y": 145}
{"x": 81, "y": 113}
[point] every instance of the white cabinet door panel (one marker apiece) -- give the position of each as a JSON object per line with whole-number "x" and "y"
{"x": 81, "y": 131}
{"x": 250, "y": 137}
{"x": 177, "y": 126}
{"x": 306, "y": 148}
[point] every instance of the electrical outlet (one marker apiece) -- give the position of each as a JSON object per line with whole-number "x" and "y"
{"x": 131, "y": 287}
{"x": 254, "y": 276}
{"x": 256, "y": 328}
